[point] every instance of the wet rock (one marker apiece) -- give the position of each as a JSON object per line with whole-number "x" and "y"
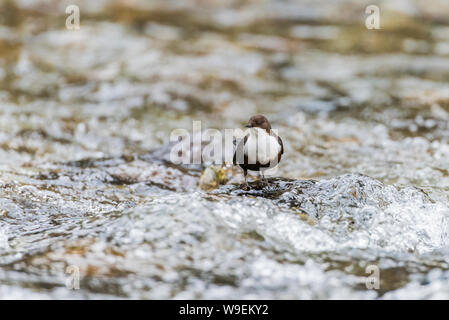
{"x": 212, "y": 177}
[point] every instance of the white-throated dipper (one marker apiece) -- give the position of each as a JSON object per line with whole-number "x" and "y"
{"x": 260, "y": 149}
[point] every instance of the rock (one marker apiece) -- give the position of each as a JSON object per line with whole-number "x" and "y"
{"x": 212, "y": 177}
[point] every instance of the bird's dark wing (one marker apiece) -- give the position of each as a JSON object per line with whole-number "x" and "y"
{"x": 282, "y": 145}
{"x": 279, "y": 141}
{"x": 240, "y": 151}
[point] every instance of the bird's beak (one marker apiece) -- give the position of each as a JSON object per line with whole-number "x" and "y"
{"x": 249, "y": 126}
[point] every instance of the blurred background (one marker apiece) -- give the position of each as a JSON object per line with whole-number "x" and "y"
{"x": 82, "y": 111}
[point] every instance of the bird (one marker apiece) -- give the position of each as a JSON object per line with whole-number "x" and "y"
{"x": 260, "y": 148}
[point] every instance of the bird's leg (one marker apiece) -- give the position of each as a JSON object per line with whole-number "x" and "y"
{"x": 264, "y": 180}
{"x": 245, "y": 174}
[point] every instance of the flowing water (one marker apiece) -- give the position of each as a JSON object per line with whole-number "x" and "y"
{"x": 85, "y": 121}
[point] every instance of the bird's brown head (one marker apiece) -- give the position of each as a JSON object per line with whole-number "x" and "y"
{"x": 259, "y": 121}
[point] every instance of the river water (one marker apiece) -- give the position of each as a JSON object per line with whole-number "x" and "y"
{"x": 86, "y": 115}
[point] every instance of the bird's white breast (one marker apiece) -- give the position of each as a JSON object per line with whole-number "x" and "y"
{"x": 261, "y": 147}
